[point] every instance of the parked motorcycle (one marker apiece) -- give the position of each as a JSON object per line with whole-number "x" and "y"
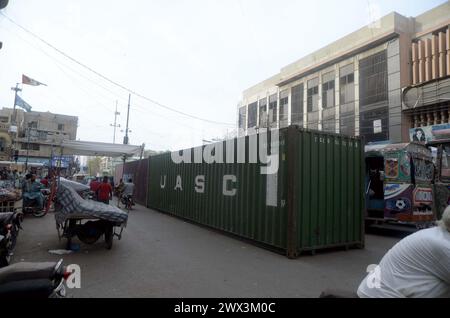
{"x": 9, "y": 230}
{"x": 34, "y": 280}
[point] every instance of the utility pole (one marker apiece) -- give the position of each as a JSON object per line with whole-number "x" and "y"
{"x": 116, "y": 113}
{"x": 14, "y": 131}
{"x": 28, "y": 147}
{"x": 125, "y": 139}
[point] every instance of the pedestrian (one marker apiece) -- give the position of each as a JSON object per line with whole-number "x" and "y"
{"x": 94, "y": 184}
{"x": 128, "y": 190}
{"x": 104, "y": 191}
{"x": 119, "y": 190}
{"x": 416, "y": 267}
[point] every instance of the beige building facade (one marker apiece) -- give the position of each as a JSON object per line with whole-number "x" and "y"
{"x": 39, "y": 134}
{"x": 355, "y": 85}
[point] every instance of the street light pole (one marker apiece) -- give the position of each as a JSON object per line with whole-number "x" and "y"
{"x": 125, "y": 139}
{"x": 28, "y": 147}
{"x": 14, "y": 118}
{"x": 116, "y": 113}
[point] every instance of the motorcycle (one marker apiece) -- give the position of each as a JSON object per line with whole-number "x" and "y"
{"x": 30, "y": 206}
{"x": 34, "y": 280}
{"x": 127, "y": 201}
{"x": 9, "y": 230}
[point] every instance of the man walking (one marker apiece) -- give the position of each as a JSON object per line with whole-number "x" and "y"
{"x": 104, "y": 191}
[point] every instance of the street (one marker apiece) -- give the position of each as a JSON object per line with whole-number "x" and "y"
{"x": 162, "y": 256}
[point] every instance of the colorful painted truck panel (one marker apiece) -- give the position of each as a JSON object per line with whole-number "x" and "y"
{"x": 408, "y": 203}
{"x": 405, "y": 172}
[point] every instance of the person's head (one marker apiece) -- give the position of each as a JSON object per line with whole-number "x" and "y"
{"x": 33, "y": 178}
{"x": 105, "y": 179}
{"x": 445, "y": 219}
{"x": 130, "y": 180}
{"x": 28, "y": 176}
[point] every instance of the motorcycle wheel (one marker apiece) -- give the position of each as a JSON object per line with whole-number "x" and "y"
{"x": 109, "y": 235}
{"x": 14, "y": 236}
{"x": 5, "y": 259}
{"x": 39, "y": 214}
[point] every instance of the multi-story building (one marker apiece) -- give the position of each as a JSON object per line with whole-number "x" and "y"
{"x": 39, "y": 134}
{"x": 354, "y": 85}
{"x": 6, "y": 138}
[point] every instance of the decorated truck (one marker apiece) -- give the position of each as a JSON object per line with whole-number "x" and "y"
{"x": 399, "y": 184}
{"x": 441, "y": 186}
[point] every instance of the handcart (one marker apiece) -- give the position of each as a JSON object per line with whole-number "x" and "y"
{"x": 86, "y": 219}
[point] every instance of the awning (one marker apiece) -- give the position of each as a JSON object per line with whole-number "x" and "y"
{"x": 89, "y": 148}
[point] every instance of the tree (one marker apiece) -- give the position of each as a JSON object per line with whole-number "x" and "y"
{"x": 94, "y": 166}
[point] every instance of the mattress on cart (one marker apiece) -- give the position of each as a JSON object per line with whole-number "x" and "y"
{"x": 78, "y": 187}
{"x": 72, "y": 205}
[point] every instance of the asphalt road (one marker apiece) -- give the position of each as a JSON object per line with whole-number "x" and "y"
{"x": 162, "y": 256}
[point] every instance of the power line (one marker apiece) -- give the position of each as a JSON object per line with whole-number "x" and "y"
{"x": 110, "y": 80}
{"x": 60, "y": 65}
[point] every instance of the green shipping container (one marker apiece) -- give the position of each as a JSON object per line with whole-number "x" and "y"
{"x": 309, "y": 196}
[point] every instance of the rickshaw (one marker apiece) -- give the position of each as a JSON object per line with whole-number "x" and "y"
{"x": 399, "y": 181}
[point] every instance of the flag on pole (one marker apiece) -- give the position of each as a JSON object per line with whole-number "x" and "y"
{"x": 21, "y": 103}
{"x": 29, "y": 81}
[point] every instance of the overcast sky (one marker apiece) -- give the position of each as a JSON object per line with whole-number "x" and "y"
{"x": 196, "y": 56}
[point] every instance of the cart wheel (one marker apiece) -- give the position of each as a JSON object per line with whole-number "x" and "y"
{"x": 109, "y": 235}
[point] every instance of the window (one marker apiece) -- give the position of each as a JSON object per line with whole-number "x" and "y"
{"x": 373, "y": 79}
{"x": 60, "y": 126}
{"x": 329, "y": 125}
{"x": 2, "y": 144}
{"x": 347, "y": 122}
{"x": 273, "y": 110}
{"x": 445, "y": 163}
{"x": 263, "y": 112}
{"x": 313, "y": 95}
{"x": 297, "y": 104}
{"x": 347, "y": 84}
{"x": 328, "y": 90}
{"x": 252, "y": 114}
{"x": 43, "y": 135}
{"x": 33, "y": 124}
{"x": 4, "y": 119}
{"x": 284, "y": 101}
{"x": 373, "y": 98}
{"x": 30, "y": 146}
{"x": 242, "y": 118}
